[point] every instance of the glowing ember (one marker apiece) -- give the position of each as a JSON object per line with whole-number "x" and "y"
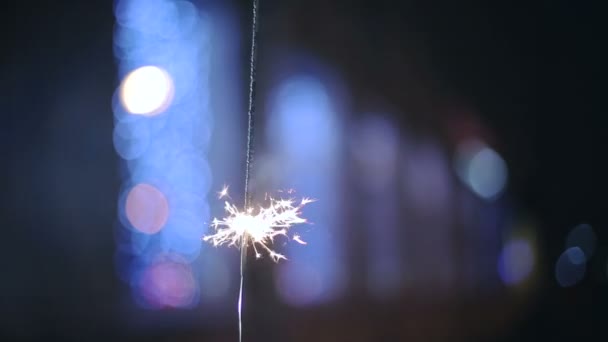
{"x": 260, "y": 227}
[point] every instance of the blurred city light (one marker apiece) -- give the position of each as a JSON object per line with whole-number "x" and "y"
{"x": 426, "y": 178}
{"x": 163, "y": 57}
{"x": 146, "y": 208}
{"x": 425, "y": 228}
{"x": 374, "y": 146}
{"x": 517, "y": 261}
{"x": 583, "y": 237}
{"x": 481, "y": 168}
{"x": 570, "y": 267}
{"x": 168, "y": 283}
{"x": 304, "y": 134}
{"x": 131, "y": 138}
{"x": 147, "y": 91}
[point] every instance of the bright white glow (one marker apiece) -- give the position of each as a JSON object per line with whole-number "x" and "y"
{"x": 260, "y": 227}
{"x": 146, "y": 91}
{"x": 482, "y": 169}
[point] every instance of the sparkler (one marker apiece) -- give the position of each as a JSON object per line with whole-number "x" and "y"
{"x": 258, "y": 228}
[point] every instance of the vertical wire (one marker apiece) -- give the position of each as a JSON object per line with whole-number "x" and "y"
{"x": 251, "y": 110}
{"x": 250, "y": 152}
{"x": 240, "y": 302}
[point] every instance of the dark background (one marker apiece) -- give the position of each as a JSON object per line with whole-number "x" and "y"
{"x": 530, "y": 70}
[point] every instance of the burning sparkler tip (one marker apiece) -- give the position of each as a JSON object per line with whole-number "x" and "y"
{"x": 259, "y": 228}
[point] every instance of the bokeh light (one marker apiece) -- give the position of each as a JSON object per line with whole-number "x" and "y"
{"x": 374, "y": 146}
{"x": 302, "y": 104}
{"x": 517, "y": 261}
{"x": 146, "y": 208}
{"x": 168, "y": 283}
{"x": 426, "y": 178}
{"x": 147, "y": 90}
{"x": 131, "y": 138}
{"x": 570, "y": 267}
{"x": 481, "y": 168}
{"x": 583, "y": 237}
{"x": 163, "y": 126}
{"x": 304, "y": 133}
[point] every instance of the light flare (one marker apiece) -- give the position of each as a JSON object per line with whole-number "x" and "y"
{"x": 258, "y": 227}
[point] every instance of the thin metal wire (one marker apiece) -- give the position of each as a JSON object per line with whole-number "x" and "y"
{"x": 240, "y": 302}
{"x": 251, "y": 110}
{"x": 250, "y": 152}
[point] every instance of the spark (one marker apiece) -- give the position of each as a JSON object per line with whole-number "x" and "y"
{"x": 260, "y": 226}
{"x": 299, "y": 240}
{"x": 223, "y": 193}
